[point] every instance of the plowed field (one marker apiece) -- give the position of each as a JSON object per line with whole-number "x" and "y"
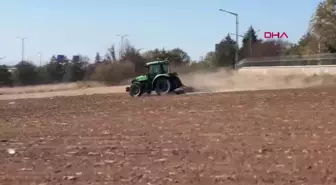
{"x": 265, "y": 137}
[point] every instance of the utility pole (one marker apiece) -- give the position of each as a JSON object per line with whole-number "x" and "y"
{"x": 237, "y": 39}
{"x": 40, "y": 55}
{"x": 22, "y": 46}
{"x": 122, "y": 43}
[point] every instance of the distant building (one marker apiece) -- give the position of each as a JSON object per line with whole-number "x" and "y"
{"x": 75, "y": 58}
{"x": 61, "y": 58}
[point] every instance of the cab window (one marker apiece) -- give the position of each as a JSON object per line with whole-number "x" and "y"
{"x": 165, "y": 68}
{"x": 155, "y": 69}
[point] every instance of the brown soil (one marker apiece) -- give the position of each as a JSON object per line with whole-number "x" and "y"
{"x": 74, "y": 92}
{"x": 49, "y": 88}
{"x": 265, "y": 137}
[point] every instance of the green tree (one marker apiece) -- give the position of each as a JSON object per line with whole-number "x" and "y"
{"x": 156, "y": 54}
{"x": 178, "y": 57}
{"x": 53, "y": 59}
{"x": 323, "y": 24}
{"x": 43, "y": 75}
{"x": 249, "y": 39}
{"x": 75, "y": 71}
{"x": 225, "y": 53}
{"x": 209, "y": 58}
{"x": 26, "y": 73}
{"x": 55, "y": 70}
{"x": 110, "y": 55}
{"x": 269, "y": 48}
{"x": 97, "y": 57}
{"x": 133, "y": 56}
{"x": 5, "y": 76}
{"x": 306, "y": 45}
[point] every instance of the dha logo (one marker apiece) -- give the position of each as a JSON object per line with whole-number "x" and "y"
{"x": 271, "y": 35}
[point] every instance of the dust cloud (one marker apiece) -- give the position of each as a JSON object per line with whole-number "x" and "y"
{"x": 224, "y": 81}
{"x": 219, "y": 81}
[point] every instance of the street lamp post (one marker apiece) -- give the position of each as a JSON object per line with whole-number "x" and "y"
{"x": 122, "y": 42}
{"x": 237, "y": 25}
{"x": 22, "y": 46}
{"x": 40, "y": 55}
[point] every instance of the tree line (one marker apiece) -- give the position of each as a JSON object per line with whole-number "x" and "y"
{"x": 115, "y": 66}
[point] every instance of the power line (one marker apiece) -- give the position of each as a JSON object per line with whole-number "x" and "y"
{"x": 122, "y": 42}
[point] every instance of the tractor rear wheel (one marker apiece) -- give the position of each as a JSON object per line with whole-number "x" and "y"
{"x": 135, "y": 90}
{"x": 162, "y": 86}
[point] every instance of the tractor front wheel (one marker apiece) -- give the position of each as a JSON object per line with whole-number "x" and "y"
{"x": 135, "y": 90}
{"x": 162, "y": 86}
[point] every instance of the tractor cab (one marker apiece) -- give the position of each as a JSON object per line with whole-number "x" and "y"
{"x": 157, "y": 67}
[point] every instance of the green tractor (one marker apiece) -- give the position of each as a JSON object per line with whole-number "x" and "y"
{"x": 158, "y": 79}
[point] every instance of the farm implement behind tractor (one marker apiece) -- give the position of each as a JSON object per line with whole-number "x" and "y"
{"x": 158, "y": 79}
